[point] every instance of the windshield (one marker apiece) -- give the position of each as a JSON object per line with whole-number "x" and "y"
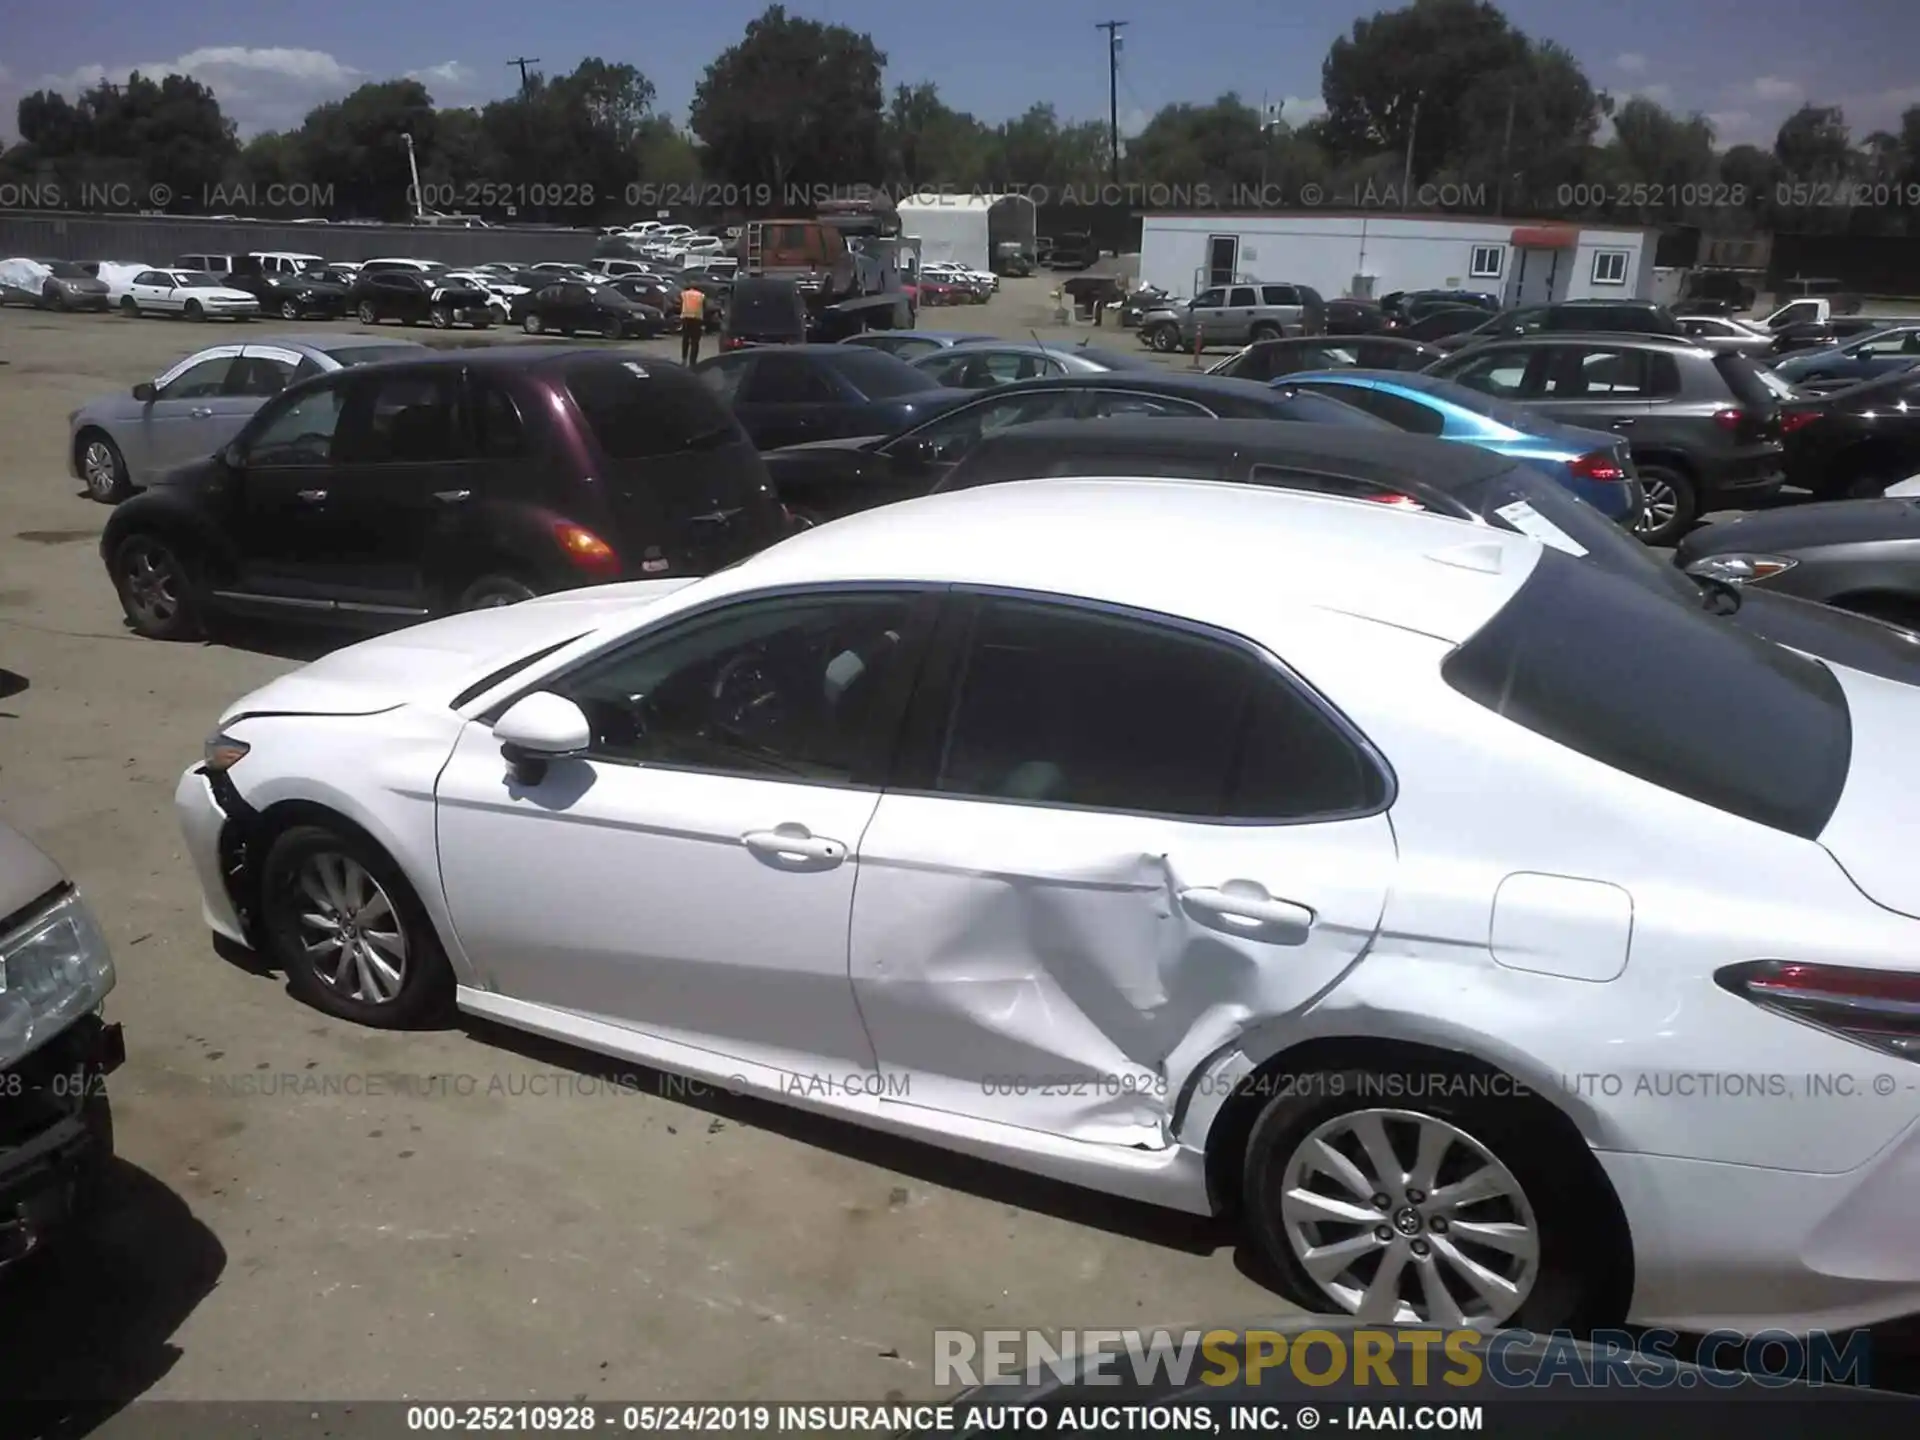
{"x": 763, "y": 305}
{"x": 191, "y": 278}
{"x": 878, "y": 375}
{"x": 1568, "y": 658}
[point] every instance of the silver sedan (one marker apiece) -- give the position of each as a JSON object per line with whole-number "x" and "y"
{"x": 981, "y": 366}
{"x": 118, "y": 443}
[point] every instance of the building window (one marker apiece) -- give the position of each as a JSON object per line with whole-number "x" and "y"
{"x": 1487, "y": 260}
{"x": 1610, "y": 267}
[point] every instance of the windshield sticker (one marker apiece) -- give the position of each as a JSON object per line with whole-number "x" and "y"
{"x": 1529, "y": 521}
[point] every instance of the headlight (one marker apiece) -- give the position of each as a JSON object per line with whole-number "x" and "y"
{"x": 223, "y": 752}
{"x": 53, "y": 970}
{"x": 1741, "y": 569}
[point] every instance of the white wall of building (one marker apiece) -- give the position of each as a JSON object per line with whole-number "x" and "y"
{"x": 953, "y": 228}
{"x": 1398, "y": 252}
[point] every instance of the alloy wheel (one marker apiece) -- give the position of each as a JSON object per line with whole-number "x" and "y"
{"x": 290, "y": 309}
{"x": 349, "y": 931}
{"x": 366, "y": 313}
{"x": 101, "y": 469}
{"x": 1662, "y": 505}
{"x": 153, "y": 582}
{"x": 1403, "y": 1218}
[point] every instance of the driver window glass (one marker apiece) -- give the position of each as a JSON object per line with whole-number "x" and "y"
{"x": 780, "y": 689}
{"x": 206, "y": 378}
{"x": 952, "y": 436}
{"x": 1209, "y": 299}
{"x": 298, "y": 434}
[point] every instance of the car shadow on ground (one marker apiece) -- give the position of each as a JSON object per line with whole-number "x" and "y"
{"x": 1192, "y": 1234}
{"x": 87, "y": 1325}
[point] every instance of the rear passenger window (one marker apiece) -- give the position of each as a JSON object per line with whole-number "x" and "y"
{"x": 1637, "y": 708}
{"x": 402, "y": 419}
{"x": 1396, "y": 410}
{"x": 1278, "y": 295}
{"x": 1242, "y": 298}
{"x": 1577, "y": 374}
{"x": 1073, "y": 708}
{"x": 499, "y": 432}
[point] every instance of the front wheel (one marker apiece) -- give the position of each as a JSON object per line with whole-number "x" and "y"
{"x": 1671, "y": 505}
{"x": 340, "y": 918}
{"x": 533, "y": 325}
{"x": 366, "y": 314}
{"x": 103, "y": 469}
{"x": 1448, "y": 1210}
{"x": 289, "y": 309}
{"x": 1164, "y": 338}
{"x": 194, "y": 311}
{"x": 158, "y": 590}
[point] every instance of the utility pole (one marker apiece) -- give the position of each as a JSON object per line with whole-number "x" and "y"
{"x": 522, "y": 62}
{"x": 1506, "y": 156}
{"x": 1413, "y": 129}
{"x": 1113, "y": 29}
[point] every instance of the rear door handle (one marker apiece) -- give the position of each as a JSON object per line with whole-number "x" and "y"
{"x": 452, "y": 497}
{"x": 200, "y": 412}
{"x": 793, "y": 844}
{"x": 312, "y": 497}
{"x": 1246, "y": 907}
{"x": 1623, "y": 424}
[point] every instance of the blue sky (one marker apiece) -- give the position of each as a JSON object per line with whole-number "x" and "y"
{"x": 1747, "y": 63}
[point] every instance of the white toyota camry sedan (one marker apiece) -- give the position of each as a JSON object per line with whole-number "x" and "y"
{"x": 1502, "y": 941}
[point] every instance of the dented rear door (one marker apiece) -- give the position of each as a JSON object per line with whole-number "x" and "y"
{"x": 1119, "y": 844}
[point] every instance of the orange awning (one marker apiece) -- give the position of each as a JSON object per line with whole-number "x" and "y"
{"x": 1546, "y": 237}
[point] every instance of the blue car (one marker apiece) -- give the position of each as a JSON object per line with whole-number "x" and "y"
{"x": 1593, "y": 464}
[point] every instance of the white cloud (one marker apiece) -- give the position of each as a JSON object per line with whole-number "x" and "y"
{"x": 1777, "y": 90}
{"x": 1300, "y": 109}
{"x": 1631, "y": 63}
{"x": 264, "y": 88}
{"x": 1739, "y": 127}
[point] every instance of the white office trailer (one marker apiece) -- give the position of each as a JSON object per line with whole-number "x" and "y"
{"x": 1371, "y": 254}
{"x": 966, "y": 229}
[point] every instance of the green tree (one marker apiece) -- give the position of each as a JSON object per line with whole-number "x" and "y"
{"x": 1525, "y": 131}
{"x": 143, "y": 134}
{"x": 929, "y": 144}
{"x": 796, "y": 103}
{"x": 1410, "y": 75}
{"x": 1221, "y": 146}
{"x": 356, "y": 145}
{"x": 1813, "y": 144}
{"x": 1035, "y": 149}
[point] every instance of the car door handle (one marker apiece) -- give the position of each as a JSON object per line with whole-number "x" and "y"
{"x": 311, "y": 497}
{"x": 1247, "y": 907}
{"x": 200, "y": 412}
{"x": 794, "y": 844}
{"x": 452, "y": 497}
{"x": 1623, "y": 424}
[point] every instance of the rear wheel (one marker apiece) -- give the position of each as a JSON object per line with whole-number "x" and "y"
{"x": 128, "y": 308}
{"x": 492, "y": 591}
{"x": 1672, "y": 505}
{"x": 533, "y": 324}
{"x": 159, "y": 591}
{"x": 366, "y": 314}
{"x": 1263, "y": 332}
{"x": 440, "y": 317}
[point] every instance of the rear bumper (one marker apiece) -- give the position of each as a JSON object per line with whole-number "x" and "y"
{"x": 53, "y": 1130}
{"x": 1745, "y": 476}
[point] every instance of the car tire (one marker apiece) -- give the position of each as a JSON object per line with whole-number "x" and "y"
{"x": 440, "y": 318}
{"x": 103, "y": 469}
{"x": 1672, "y": 505}
{"x": 533, "y": 324}
{"x": 1543, "y": 1201}
{"x": 1164, "y": 338}
{"x": 366, "y": 314}
{"x": 128, "y": 308}
{"x": 159, "y": 588}
{"x": 496, "y": 589}
{"x": 193, "y": 311}
{"x": 1264, "y": 332}
{"x": 55, "y": 298}
{"x": 320, "y": 880}
{"x": 1901, "y": 610}
{"x": 289, "y": 309}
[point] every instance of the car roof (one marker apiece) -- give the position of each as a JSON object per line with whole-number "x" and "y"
{"x": 1613, "y": 339}
{"x": 1219, "y": 553}
{"x": 1392, "y": 459}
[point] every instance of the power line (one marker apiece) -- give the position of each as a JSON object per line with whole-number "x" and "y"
{"x": 522, "y": 62}
{"x": 1113, "y": 29}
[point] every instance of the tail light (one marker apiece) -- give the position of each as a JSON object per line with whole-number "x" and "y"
{"x": 586, "y": 550}
{"x": 1876, "y": 1008}
{"x": 1395, "y": 499}
{"x": 1735, "y": 422}
{"x": 1598, "y": 465}
{"x": 1797, "y": 420}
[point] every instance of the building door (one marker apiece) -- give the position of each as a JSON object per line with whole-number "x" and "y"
{"x": 1223, "y": 259}
{"x": 1535, "y": 273}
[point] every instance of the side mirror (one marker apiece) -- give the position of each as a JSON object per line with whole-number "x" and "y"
{"x": 914, "y": 452}
{"x": 144, "y": 392}
{"x": 231, "y": 456}
{"x": 538, "y": 729}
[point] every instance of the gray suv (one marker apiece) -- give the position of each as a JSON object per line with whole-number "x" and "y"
{"x": 56, "y": 1049}
{"x": 1229, "y": 316}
